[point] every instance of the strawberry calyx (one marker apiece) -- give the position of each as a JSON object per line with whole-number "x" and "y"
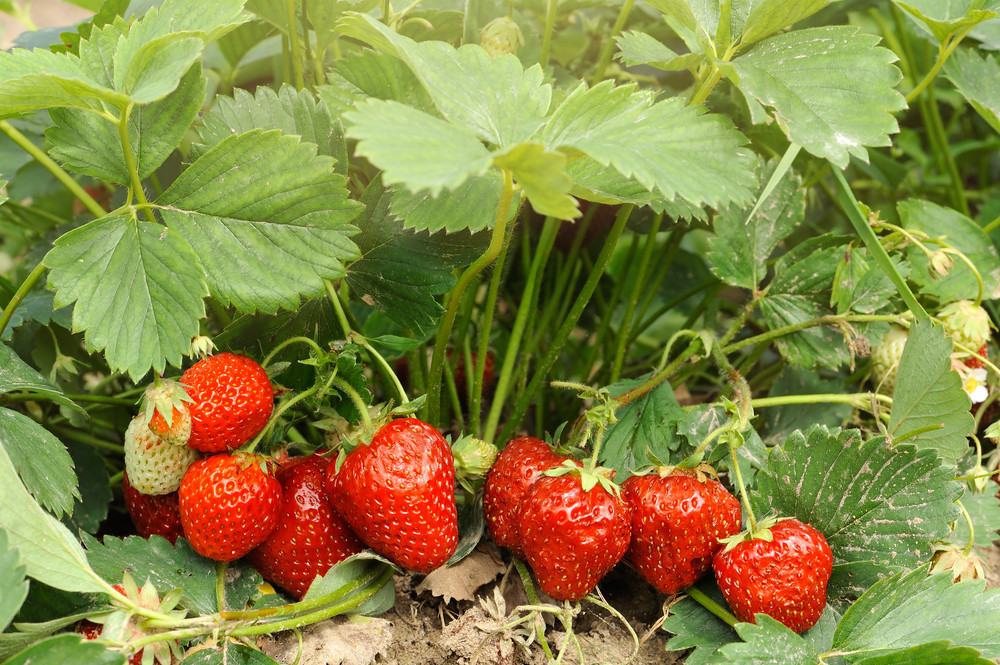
{"x": 963, "y": 564}
{"x": 761, "y": 532}
{"x": 589, "y": 473}
{"x": 201, "y": 347}
{"x": 166, "y": 400}
{"x": 473, "y": 457}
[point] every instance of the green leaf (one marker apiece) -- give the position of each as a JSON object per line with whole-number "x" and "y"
{"x": 138, "y": 290}
{"x": 691, "y": 13}
{"x": 171, "y": 567}
{"x": 929, "y": 399}
{"x": 41, "y": 460}
{"x": 471, "y": 206}
{"x": 861, "y": 286}
{"x": 267, "y": 217}
{"x": 646, "y": 426}
{"x": 933, "y": 653}
{"x": 48, "y": 551}
{"x": 984, "y": 508}
{"x": 874, "y": 503}
{"x": 233, "y": 654}
{"x": 692, "y": 626}
{"x": 373, "y": 74}
{"x": 401, "y": 141}
{"x": 290, "y": 111}
{"x": 41, "y": 79}
{"x": 768, "y": 641}
{"x": 37, "y": 306}
{"x": 357, "y": 566}
{"x": 782, "y": 420}
{"x": 944, "y": 18}
{"x": 964, "y": 235}
{"x": 15, "y": 587}
{"x": 638, "y": 48}
{"x": 974, "y": 76}
{"x": 767, "y": 17}
{"x": 90, "y": 510}
{"x": 64, "y": 649}
{"x": 663, "y": 145}
{"x": 494, "y": 98}
{"x": 17, "y": 375}
{"x": 742, "y": 245}
{"x": 402, "y": 272}
{"x": 806, "y": 75}
{"x": 539, "y": 173}
{"x": 86, "y": 143}
{"x": 800, "y": 292}
{"x": 913, "y": 608}
{"x": 152, "y": 70}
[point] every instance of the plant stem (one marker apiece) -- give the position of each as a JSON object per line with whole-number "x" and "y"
{"x": 130, "y": 163}
{"x": 945, "y": 49}
{"x": 812, "y": 323}
{"x": 532, "y": 288}
{"x": 738, "y": 478}
{"x": 359, "y": 403}
{"x": 448, "y": 321}
{"x": 220, "y": 584}
{"x": 22, "y": 291}
{"x": 550, "y": 21}
{"x": 637, "y": 287}
{"x": 293, "y": 45}
{"x": 936, "y": 128}
{"x": 529, "y": 591}
{"x": 569, "y": 323}
{"x": 604, "y": 59}
{"x": 338, "y": 307}
{"x": 699, "y": 596}
{"x": 67, "y": 181}
{"x": 871, "y": 241}
{"x": 288, "y": 342}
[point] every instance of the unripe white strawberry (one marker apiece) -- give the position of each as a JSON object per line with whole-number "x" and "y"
{"x": 966, "y": 323}
{"x": 154, "y": 466}
{"x": 501, "y": 36}
{"x": 885, "y": 358}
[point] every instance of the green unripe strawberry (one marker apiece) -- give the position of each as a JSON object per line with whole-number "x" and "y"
{"x": 885, "y": 358}
{"x": 501, "y": 36}
{"x": 966, "y": 323}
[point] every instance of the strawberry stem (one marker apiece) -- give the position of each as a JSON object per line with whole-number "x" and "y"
{"x": 699, "y": 596}
{"x": 220, "y": 584}
{"x": 288, "y": 342}
{"x": 738, "y": 478}
{"x": 529, "y": 590}
{"x": 972, "y": 529}
{"x": 359, "y": 403}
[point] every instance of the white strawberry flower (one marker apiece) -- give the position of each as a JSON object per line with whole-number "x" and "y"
{"x": 974, "y": 382}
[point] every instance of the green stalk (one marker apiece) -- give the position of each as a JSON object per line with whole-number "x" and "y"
{"x": 52, "y": 167}
{"x": 220, "y": 584}
{"x": 864, "y": 230}
{"x": 338, "y": 307}
{"x": 568, "y": 324}
{"x": 529, "y": 591}
{"x": 532, "y": 288}
{"x": 130, "y": 163}
{"x": 857, "y": 400}
{"x": 936, "y": 127}
{"x": 697, "y": 595}
{"x": 293, "y": 45}
{"x": 604, "y": 59}
{"x": 945, "y": 50}
{"x": 637, "y": 287}
{"x": 550, "y": 22}
{"x": 22, "y": 291}
{"x": 812, "y": 323}
{"x": 444, "y": 331}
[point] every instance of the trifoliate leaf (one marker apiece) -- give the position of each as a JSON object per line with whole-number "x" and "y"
{"x": 290, "y": 111}
{"x": 930, "y": 409}
{"x": 768, "y": 641}
{"x": 414, "y": 148}
{"x": 373, "y": 74}
{"x": 913, "y": 608}
{"x": 691, "y": 13}
{"x": 471, "y": 206}
{"x": 805, "y": 76}
{"x": 860, "y": 286}
{"x": 41, "y": 460}
{"x": 402, "y": 272}
{"x": 878, "y": 506}
{"x": 961, "y": 233}
{"x": 742, "y": 245}
{"x": 646, "y": 425}
{"x": 47, "y": 550}
{"x": 17, "y": 375}
{"x": 944, "y": 18}
{"x": 267, "y": 217}
{"x": 89, "y": 144}
{"x": 171, "y": 567}
{"x": 540, "y": 175}
{"x": 138, "y": 290}
{"x": 495, "y": 99}
{"x": 663, "y": 145}
{"x": 61, "y": 649}
{"x": 974, "y": 76}
{"x": 12, "y": 581}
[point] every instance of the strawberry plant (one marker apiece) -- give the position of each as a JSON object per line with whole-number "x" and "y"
{"x": 279, "y": 279}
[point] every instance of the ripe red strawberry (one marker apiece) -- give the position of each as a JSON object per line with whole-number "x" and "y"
{"x": 571, "y": 536}
{"x": 516, "y": 468}
{"x": 310, "y": 537}
{"x": 784, "y": 576}
{"x": 229, "y": 504}
{"x": 678, "y": 518}
{"x": 232, "y": 400}
{"x": 154, "y": 466}
{"x": 398, "y": 494}
{"x": 973, "y": 362}
{"x": 153, "y": 515}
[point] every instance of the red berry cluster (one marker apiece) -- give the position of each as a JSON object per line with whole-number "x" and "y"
{"x": 295, "y": 518}
{"x": 670, "y": 524}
